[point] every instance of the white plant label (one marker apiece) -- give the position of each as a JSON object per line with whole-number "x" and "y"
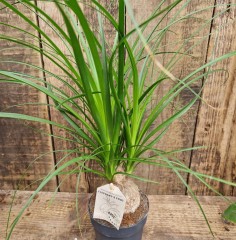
{"x": 110, "y": 204}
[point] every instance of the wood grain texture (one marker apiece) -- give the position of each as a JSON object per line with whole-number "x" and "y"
{"x": 19, "y": 143}
{"x": 216, "y": 125}
{"x": 170, "y": 217}
{"x": 215, "y": 128}
{"x": 67, "y": 182}
{"x": 185, "y": 36}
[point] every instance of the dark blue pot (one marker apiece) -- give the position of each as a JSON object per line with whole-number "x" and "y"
{"x": 134, "y": 232}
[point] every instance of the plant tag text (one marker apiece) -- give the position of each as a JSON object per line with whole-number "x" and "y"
{"x": 110, "y": 204}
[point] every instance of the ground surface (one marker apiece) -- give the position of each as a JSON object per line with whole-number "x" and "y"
{"x": 170, "y": 218}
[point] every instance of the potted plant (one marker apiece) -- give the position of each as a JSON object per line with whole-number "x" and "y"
{"x": 110, "y": 94}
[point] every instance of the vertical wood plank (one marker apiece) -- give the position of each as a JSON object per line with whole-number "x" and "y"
{"x": 180, "y": 134}
{"x": 19, "y": 143}
{"x": 216, "y": 127}
{"x": 67, "y": 182}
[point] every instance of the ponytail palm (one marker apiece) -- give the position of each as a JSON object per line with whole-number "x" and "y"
{"x": 110, "y": 91}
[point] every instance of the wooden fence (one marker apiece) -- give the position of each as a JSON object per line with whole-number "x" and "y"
{"x": 211, "y": 123}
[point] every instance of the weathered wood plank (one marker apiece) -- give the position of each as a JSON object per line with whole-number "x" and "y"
{"x": 184, "y": 36}
{"x": 170, "y": 217}
{"x": 19, "y": 143}
{"x": 216, "y": 125}
{"x": 215, "y": 128}
{"x": 67, "y": 182}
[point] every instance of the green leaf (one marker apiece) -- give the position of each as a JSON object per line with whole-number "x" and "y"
{"x": 230, "y": 213}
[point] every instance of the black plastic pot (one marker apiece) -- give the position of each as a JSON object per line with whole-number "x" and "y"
{"x": 134, "y": 232}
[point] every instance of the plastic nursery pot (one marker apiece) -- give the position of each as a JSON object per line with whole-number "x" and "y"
{"x": 106, "y": 232}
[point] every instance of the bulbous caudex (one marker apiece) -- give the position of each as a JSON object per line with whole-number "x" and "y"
{"x": 130, "y": 191}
